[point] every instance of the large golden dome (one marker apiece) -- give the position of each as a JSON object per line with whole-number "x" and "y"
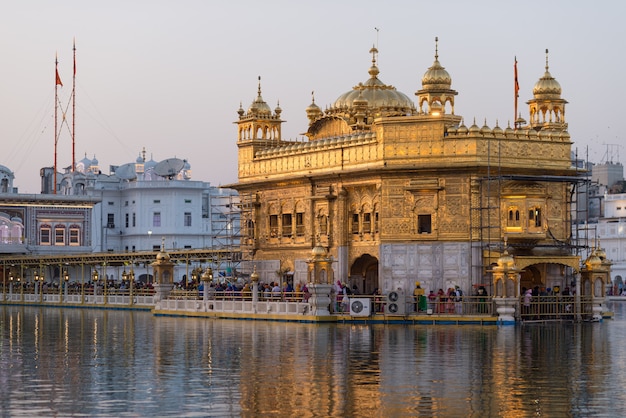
{"x": 381, "y": 99}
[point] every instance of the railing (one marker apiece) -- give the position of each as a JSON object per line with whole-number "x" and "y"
{"x": 544, "y": 308}
{"x": 75, "y": 295}
{"x": 540, "y": 308}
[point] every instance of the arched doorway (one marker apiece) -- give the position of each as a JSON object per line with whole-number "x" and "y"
{"x": 531, "y": 277}
{"x": 364, "y": 274}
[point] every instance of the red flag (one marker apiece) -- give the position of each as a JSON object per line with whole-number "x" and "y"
{"x": 59, "y": 83}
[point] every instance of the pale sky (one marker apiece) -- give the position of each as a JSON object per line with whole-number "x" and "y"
{"x": 169, "y": 75}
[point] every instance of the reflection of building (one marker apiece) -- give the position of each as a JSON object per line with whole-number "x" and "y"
{"x": 397, "y": 192}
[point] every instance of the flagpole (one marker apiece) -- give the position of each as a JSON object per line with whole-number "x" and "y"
{"x": 56, "y": 107}
{"x": 74, "y": 112}
{"x": 516, "y": 92}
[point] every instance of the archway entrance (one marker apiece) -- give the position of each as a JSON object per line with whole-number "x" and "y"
{"x": 530, "y": 278}
{"x": 364, "y": 274}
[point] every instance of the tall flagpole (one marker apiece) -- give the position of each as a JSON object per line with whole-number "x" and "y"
{"x": 516, "y": 94}
{"x": 74, "y": 112}
{"x": 57, "y": 81}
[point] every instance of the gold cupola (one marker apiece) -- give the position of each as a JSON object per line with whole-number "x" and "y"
{"x": 436, "y": 90}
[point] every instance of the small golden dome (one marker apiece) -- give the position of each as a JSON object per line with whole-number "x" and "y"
{"x": 506, "y": 261}
{"x": 258, "y": 106}
{"x": 318, "y": 251}
{"x": 547, "y": 86}
{"x": 474, "y": 128}
{"x": 254, "y": 276}
{"x": 593, "y": 262}
{"x": 497, "y": 130}
{"x": 436, "y": 77}
{"x": 163, "y": 256}
{"x": 486, "y": 130}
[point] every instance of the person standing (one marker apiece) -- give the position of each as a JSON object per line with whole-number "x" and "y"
{"x": 419, "y": 298}
{"x": 528, "y": 297}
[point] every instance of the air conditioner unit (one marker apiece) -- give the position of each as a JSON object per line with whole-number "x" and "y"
{"x": 396, "y": 303}
{"x": 360, "y": 307}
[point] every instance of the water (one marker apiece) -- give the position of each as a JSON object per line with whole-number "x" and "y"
{"x": 97, "y": 363}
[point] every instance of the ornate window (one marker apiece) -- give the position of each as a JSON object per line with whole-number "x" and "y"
{"x": 74, "y": 235}
{"x": 44, "y": 235}
{"x": 300, "y": 224}
{"x": 424, "y": 224}
{"x": 273, "y": 226}
{"x": 249, "y": 232}
{"x": 59, "y": 235}
{"x": 323, "y": 224}
{"x": 534, "y": 217}
{"x": 287, "y": 225}
{"x": 513, "y": 217}
{"x": 355, "y": 223}
{"x": 367, "y": 223}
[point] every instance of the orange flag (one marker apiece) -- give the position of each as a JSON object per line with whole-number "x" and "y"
{"x": 59, "y": 83}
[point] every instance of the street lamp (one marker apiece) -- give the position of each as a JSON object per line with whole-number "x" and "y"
{"x": 94, "y": 278}
{"x": 106, "y": 290}
{"x": 66, "y": 279}
{"x": 207, "y": 276}
{"x": 129, "y": 277}
{"x": 41, "y": 280}
{"x": 11, "y": 283}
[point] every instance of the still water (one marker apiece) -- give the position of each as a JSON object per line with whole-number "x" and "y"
{"x": 81, "y": 362}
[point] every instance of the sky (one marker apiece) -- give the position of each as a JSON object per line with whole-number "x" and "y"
{"x": 169, "y": 76}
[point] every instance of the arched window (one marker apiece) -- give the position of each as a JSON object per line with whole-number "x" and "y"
{"x": 534, "y": 217}
{"x": 513, "y": 217}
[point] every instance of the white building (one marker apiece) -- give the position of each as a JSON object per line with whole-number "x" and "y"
{"x": 611, "y": 233}
{"x": 145, "y": 201}
{"x": 135, "y": 207}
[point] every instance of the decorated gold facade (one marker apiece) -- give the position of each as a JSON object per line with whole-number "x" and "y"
{"x": 396, "y": 192}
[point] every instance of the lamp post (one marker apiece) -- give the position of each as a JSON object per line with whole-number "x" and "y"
{"x": 21, "y": 283}
{"x": 66, "y": 279}
{"x": 130, "y": 277}
{"x": 104, "y": 278}
{"x": 60, "y": 284}
{"x": 82, "y": 283}
{"x": 207, "y": 276}
{"x": 11, "y": 283}
{"x": 131, "y": 282}
{"x": 41, "y": 280}
{"x": 94, "y": 278}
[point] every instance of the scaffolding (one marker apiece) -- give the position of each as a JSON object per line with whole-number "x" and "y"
{"x": 486, "y": 235}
